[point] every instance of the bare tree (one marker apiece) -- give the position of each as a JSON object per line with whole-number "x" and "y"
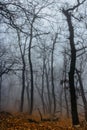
{"x": 52, "y": 72}
{"x": 66, "y": 83}
{"x": 74, "y": 112}
{"x": 68, "y": 15}
{"x": 22, "y": 52}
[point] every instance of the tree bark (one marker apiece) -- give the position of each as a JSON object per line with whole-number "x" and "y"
{"x": 65, "y": 84}
{"x": 31, "y": 69}
{"x": 32, "y": 86}
{"x": 52, "y": 76}
{"x": 74, "y": 112}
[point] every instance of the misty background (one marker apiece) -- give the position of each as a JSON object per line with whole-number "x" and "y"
{"x": 35, "y": 53}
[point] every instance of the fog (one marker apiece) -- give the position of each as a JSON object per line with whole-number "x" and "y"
{"x": 35, "y": 55}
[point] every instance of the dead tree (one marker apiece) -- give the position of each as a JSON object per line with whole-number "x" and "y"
{"x": 75, "y": 119}
{"x": 22, "y": 52}
{"x": 68, "y": 15}
{"x": 52, "y": 73}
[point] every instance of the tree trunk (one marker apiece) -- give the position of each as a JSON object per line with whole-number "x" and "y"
{"x": 32, "y": 86}
{"x": 23, "y": 70}
{"x": 66, "y": 101}
{"x": 65, "y": 84}
{"x": 74, "y": 112}
{"x": 82, "y": 93}
{"x": 23, "y": 87}
{"x": 42, "y": 92}
{"x": 61, "y": 100}
{"x": 48, "y": 90}
{"x": 0, "y": 92}
{"x": 28, "y": 96}
{"x": 85, "y": 109}
{"x": 31, "y": 69}
{"x": 52, "y": 80}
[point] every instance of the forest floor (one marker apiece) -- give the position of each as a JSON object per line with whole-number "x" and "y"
{"x": 22, "y": 121}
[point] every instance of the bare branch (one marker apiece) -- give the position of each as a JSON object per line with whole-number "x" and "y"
{"x": 76, "y": 6}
